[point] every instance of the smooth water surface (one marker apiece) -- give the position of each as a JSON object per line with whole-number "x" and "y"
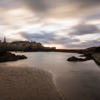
{"x": 76, "y": 80}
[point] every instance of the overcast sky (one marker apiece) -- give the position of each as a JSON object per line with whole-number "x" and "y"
{"x": 60, "y": 23}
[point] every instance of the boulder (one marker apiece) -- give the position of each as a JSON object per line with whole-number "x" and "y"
{"x": 11, "y": 57}
{"x": 73, "y": 58}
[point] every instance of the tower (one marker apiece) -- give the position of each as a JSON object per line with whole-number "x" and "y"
{"x": 4, "y": 44}
{"x": 4, "y": 39}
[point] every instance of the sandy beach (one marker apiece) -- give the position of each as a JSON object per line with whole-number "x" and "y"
{"x": 26, "y": 83}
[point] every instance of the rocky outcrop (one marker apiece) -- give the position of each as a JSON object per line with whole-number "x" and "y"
{"x": 7, "y": 56}
{"x": 73, "y": 58}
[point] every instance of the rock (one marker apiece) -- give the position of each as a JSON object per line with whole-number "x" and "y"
{"x": 87, "y": 57}
{"x": 21, "y": 57}
{"x": 75, "y": 59}
{"x": 11, "y": 57}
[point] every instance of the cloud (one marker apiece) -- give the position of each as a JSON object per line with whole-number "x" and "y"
{"x": 41, "y": 37}
{"x": 82, "y": 29}
{"x": 93, "y": 16}
{"x": 54, "y": 8}
{"x": 62, "y": 8}
{"x": 50, "y": 38}
{"x": 86, "y": 3}
{"x": 26, "y": 15}
{"x": 66, "y": 40}
{"x": 10, "y": 4}
{"x": 48, "y": 9}
{"x": 86, "y": 44}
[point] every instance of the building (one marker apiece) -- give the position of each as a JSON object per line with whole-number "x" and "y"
{"x": 24, "y": 46}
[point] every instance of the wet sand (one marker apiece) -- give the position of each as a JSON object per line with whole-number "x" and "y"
{"x": 26, "y": 83}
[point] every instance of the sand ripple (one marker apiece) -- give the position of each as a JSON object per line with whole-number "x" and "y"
{"x": 25, "y": 83}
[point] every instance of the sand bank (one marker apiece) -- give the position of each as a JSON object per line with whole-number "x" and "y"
{"x": 25, "y": 83}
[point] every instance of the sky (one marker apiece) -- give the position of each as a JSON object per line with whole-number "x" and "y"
{"x": 65, "y": 24}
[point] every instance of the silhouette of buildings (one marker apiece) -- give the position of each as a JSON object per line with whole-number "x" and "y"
{"x": 24, "y": 46}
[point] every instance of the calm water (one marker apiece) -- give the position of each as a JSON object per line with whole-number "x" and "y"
{"x": 76, "y": 80}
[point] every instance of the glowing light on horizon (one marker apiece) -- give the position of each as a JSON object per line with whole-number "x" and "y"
{"x": 48, "y": 45}
{"x": 58, "y": 46}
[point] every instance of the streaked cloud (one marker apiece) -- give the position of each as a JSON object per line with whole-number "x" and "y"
{"x": 65, "y": 23}
{"x": 82, "y": 29}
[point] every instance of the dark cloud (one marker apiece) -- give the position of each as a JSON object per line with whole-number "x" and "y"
{"x": 38, "y": 5}
{"x": 62, "y": 8}
{"x": 94, "y": 16}
{"x": 48, "y": 38}
{"x": 47, "y": 4}
{"x": 86, "y": 44}
{"x": 65, "y": 40}
{"x": 42, "y": 36}
{"x": 54, "y": 8}
{"x": 10, "y": 4}
{"x": 82, "y": 29}
{"x": 86, "y": 3}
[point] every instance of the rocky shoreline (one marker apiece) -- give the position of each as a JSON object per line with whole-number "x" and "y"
{"x": 87, "y": 57}
{"x": 93, "y": 56}
{"x": 8, "y": 56}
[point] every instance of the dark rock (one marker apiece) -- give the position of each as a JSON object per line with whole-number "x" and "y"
{"x": 87, "y": 57}
{"x": 21, "y": 57}
{"x": 7, "y": 56}
{"x": 75, "y": 59}
{"x": 97, "y": 50}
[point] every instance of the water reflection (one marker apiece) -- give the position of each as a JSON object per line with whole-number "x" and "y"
{"x": 77, "y": 80}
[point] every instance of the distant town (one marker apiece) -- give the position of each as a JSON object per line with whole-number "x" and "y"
{"x": 34, "y": 46}
{"x": 31, "y": 46}
{"x": 23, "y": 46}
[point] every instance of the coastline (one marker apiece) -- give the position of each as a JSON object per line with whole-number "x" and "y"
{"x": 96, "y": 57}
{"x": 26, "y": 83}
